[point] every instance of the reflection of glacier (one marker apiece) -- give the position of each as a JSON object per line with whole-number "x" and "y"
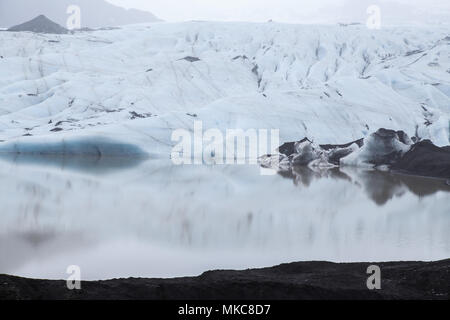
{"x": 379, "y": 186}
{"x": 214, "y": 217}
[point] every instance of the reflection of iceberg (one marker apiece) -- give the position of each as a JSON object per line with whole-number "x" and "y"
{"x": 79, "y": 146}
{"x": 380, "y": 186}
{"x": 90, "y": 164}
{"x": 304, "y": 175}
{"x": 90, "y": 154}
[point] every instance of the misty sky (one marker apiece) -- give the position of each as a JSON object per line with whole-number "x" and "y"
{"x": 296, "y": 11}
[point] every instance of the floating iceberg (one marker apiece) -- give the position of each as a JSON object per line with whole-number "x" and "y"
{"x": 384, "y": 149}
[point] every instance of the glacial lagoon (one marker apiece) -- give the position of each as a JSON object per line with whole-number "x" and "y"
{"x": 131, "y": 217}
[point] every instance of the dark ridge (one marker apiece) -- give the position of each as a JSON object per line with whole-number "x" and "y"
{"x": 190, "y": 59}
{"x": 327, "y": 147}
{"x": 288, "y": 148}
{"x": 40, "y": 24}
{"x": 294, "y": 281}
{"x": 410, "y": 53}
{"x": 425, "y": 159}
{"x": 244, "y": 57}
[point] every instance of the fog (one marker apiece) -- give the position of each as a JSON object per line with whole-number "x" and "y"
{"x": 294, "y": 11}
{"x": 102, "y": 13}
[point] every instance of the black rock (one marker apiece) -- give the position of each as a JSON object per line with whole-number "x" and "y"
{"x": 288, "y": 148}
{"x": 359, "y": 142}
{"x": 425, "y": 159}
{"x": 293, "y": 281}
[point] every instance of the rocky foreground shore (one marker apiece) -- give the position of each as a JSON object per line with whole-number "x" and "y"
{"x": 294, "y": 281}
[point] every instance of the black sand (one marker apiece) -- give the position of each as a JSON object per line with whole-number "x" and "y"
{"x": 295, "y": 281}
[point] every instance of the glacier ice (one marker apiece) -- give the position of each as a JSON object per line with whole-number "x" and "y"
{"x": 327, "y": 83}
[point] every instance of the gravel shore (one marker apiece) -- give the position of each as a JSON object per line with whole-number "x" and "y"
{"x": 294, "y": 281}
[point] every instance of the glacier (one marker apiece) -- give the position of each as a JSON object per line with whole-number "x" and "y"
{"x": 136, "y": 84}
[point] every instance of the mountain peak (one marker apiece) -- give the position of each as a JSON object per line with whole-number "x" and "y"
{"x": 40, "y": 24}
{"x": 94, "y": 13}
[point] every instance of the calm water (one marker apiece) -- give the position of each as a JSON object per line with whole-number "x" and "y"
{"x": 148, "y": 218}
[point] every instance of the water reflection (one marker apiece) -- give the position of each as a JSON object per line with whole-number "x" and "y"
{"x": 90, "y": 164}
{"x": 380, "y": 186}
{"x": 154, "y": 219}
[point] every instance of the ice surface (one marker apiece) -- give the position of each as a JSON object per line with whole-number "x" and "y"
{"x": 328, "y": 83}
